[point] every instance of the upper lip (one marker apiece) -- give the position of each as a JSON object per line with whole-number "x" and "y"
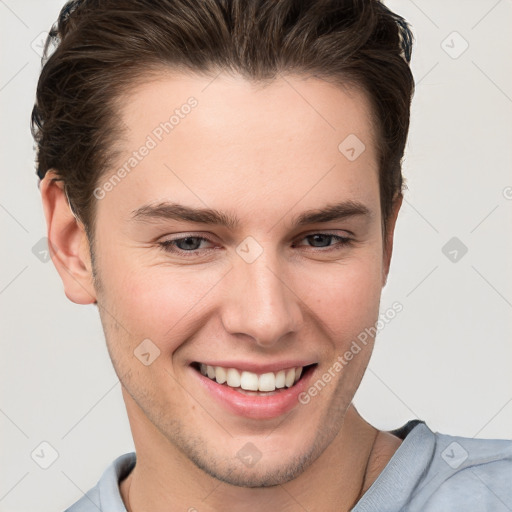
{"x": 259, "y": 368}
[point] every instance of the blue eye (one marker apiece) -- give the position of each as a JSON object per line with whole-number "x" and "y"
{"x": 342, "y": 241}
{"x": 184, "y": 245}
{"x": 190, "y": 245}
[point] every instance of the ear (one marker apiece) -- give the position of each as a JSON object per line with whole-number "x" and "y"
{"x": 388, "y": 242}
{"x": 67, "y": 242}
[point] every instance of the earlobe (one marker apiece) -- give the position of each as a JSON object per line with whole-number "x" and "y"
{"x": 388, "y": 243}
{"x": 67, "y": 241}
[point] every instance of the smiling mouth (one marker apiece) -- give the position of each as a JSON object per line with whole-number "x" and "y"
{"x": 249, "y": 383}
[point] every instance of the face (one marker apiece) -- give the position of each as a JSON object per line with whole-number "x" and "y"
{"x": 248, "y": 294}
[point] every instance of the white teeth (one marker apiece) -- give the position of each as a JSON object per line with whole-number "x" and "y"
{"x": 250, "y": 381}
{"x": 267, "y": 382}
{"x": 220, "y": 374}
{"x": 280, "y": 378}
{"x": 233, "y": 378}
{"x": 210, "y": 371}
{"x": 290, "y": 377}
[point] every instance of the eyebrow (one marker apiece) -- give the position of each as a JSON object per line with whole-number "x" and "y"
{"x": 179, "y": 212}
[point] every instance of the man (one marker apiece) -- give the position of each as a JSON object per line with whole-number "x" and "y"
{"x": 222, "y": 178}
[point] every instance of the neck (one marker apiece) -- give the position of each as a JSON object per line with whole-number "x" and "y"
{"x": 165, "y": 480}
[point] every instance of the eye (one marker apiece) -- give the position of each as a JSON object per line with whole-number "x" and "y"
{"x": 322, "y": 238}
{"x": 190, "y": 246}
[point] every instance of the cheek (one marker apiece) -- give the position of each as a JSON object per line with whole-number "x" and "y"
{"x": 344, "y": 296}
{"x": 160, "y": 303}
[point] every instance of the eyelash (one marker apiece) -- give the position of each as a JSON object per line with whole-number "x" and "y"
{"x": 167, "y": 245}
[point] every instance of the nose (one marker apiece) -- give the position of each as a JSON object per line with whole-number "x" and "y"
{"x": 260, "y": 301}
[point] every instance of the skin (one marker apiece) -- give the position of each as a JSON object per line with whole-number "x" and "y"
{"x": 265, "y": 154}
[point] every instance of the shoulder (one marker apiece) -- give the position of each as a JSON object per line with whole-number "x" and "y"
{"x": 466, "y": 474}
{"x": 88, "y": 502}
{"x": 105, "y": 495}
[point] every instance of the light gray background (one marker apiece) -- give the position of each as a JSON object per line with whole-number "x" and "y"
{"x": 446, "y": 358}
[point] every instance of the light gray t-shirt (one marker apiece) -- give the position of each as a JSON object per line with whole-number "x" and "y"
{"x": 430, "y": 472}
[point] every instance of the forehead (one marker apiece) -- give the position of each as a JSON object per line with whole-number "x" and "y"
{"x": 222, "y": 138}
{"x": 230, "y": 105}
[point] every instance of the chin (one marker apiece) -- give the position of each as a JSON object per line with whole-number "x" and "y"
{"x": 261, "y": 474}
{"x": 251, "y": 468}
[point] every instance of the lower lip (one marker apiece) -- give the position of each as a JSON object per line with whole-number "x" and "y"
{"x": 256, "y": 406}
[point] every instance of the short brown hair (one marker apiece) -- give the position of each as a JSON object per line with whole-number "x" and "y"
{"x": 101, "y": 47}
